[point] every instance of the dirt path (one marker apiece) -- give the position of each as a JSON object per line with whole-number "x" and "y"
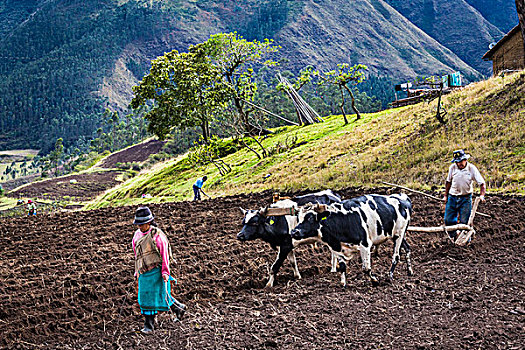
{"x": 66, "y": 282}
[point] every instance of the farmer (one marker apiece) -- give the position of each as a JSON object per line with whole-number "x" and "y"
{"x": 197, "y": 188}
{"x": 458, "y": 189}
{"x": 31, "y": 208}
{"x": 152, "y": 252}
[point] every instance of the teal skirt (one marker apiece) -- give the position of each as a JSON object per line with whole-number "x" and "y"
{"x": 154, "y": 293}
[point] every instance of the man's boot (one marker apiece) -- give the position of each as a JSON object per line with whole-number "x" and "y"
{"x": 148, "y": 324}
{"x": 178, "y": 308}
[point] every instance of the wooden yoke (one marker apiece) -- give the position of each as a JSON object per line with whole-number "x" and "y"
{"x": 277, "y": 197}
{"x": 279, "y": 211}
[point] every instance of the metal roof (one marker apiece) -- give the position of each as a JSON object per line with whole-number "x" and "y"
{"x": 488, "y": 55}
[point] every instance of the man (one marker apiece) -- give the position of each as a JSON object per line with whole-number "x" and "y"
{"x": 197, "y": 188}
{"x": 458, "y": 189}
{"x": 31, "y": 208}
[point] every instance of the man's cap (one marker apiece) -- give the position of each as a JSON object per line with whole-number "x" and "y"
{"x": 459, "y": 155}
{"x": 30, "y": 201}
{"x": 143, "y": 216}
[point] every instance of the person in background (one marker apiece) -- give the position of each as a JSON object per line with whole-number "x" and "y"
{"x": 197, "y": 188}
{"x": 152, "y": 253}
{"x": 458, "y": 190}
{"x": 31, "y": 208}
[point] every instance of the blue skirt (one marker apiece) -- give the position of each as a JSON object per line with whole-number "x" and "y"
{"x": 154, "y": 293}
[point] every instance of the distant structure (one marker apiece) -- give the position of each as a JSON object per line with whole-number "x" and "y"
{"x": 508, "y": 54}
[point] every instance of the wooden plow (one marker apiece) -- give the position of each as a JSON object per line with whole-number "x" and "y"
{"x": 466, "y": 231}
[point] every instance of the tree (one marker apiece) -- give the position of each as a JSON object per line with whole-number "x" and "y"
{"x": 236, "y": 59}
{"x": 343, "y": 76}
{"x": 187, "y": 90}
{"x": 56, "y": 154}
{"x": 210, "y": 152}
{"x": 520, "y": 7}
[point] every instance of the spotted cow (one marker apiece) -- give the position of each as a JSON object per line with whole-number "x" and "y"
{"x": 362, "y": 223}
{"x": 275, "y": 230}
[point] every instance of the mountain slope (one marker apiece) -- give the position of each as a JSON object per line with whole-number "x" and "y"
{"x": 501, "y": 13}
{"x": 369, "y": 32}
{"x": 66, "y": 60}
{"x": 407, "y": 146}
{"x": 456, "y": 25}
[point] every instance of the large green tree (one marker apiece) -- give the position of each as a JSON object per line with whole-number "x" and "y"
{"x": 237, "y": 59}
{"x": 187, "y": 91}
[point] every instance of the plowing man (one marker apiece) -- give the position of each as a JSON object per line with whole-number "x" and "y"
{"x": 152, "y": 253}
{"x": 197, "y": 188}
{"x": 31, "y": 208}
{"x": 458, "y": 190}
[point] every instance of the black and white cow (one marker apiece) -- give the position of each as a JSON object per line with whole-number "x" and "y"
{"x": 360, "y": 222}
{"x": 276, "y": 229}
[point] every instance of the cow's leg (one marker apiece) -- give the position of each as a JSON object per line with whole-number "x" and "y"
{"x": 281, "y": 256}
{"x": 406, "y": 248}
{"x": 395, "y": 255}
{"x": 376, "y": 251}
{"x": 334, "y": 263}
{"x": 341, "y": 268}
{"x": 367, "y": 264}
{"x": 293, "y": 261}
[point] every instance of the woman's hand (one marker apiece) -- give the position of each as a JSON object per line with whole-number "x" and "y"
{"x": 166, "y": 278}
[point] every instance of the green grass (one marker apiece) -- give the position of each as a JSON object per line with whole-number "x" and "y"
{"x": 407, "y": 146}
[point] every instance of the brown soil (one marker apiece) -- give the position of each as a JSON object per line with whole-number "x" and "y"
{"x": 137, "y": 153}
{"x": 67, "y": 282}
{"x": 88, "y": 186}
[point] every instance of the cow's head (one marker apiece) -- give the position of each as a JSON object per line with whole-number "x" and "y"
{"x": 310, "y": 217}
{"x": 252, "y": 224}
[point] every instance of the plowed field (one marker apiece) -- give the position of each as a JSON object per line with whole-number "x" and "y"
{"x": 137, "y": 153}
{"x": 86, "y": 187}
{"x": 66, "y": 281}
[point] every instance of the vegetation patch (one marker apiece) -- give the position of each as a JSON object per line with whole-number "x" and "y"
{"x": 406, "y": 145}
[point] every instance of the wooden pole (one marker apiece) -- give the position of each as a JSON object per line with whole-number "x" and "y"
{"x": 411, "y": 190}
{"x": 424, "y": 194}
{"x": 270, "y": 113}
{"x": 439, "y": 228}
{"x": 473, "y": 213}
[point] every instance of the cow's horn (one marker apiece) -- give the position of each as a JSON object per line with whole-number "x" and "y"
{"x": 263, "y": 211}
{"x": 244, "y": 211}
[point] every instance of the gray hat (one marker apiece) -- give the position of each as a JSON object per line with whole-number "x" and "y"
{"x": 143, "y": 216}
{"x": 459, "y": 155}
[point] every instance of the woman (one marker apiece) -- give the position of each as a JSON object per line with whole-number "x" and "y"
{"x": 152, "y": 252}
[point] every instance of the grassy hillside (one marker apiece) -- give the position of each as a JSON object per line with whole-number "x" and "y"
{"x": 406, "y": 146}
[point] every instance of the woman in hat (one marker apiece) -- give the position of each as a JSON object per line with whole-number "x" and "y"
{"x": 152, "y": 252}
{"x": 458, "y": 189}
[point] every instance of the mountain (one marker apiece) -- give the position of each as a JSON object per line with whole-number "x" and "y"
{"x": 369, "y": 32}
{"x": 457, "y": 25}
{"x": 501, "y": 13}
{"x": 65, "y": 61}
